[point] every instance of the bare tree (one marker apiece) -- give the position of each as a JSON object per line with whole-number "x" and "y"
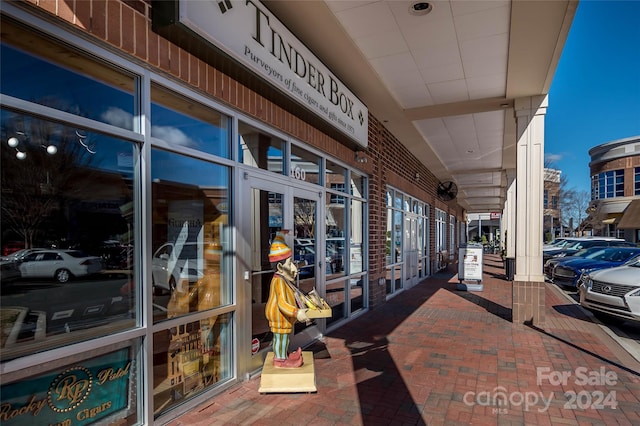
{"x": 304, "y": 213}
{"x": 575, "y": 205}
{"x": 34, "y": 183}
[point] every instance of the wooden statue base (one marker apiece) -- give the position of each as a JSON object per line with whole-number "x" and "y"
{"x": 288, "y": 380}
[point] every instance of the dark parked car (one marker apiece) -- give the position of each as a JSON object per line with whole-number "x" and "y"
{"x": 587, "y": 253}
{"x": 576, "y": 245}
{"x": 567, "y": 273}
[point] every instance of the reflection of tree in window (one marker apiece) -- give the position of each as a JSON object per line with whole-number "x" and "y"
{"x": 304, "y": 216}
{"x": 42, "y": 192}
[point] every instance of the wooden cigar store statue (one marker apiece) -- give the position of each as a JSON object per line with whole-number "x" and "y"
{"x": 281, "y": 309}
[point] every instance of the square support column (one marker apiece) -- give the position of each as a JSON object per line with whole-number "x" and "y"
{"x": 528, "y": 282}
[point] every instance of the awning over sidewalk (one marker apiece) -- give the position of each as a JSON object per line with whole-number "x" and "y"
{"x": 631, "y": 216}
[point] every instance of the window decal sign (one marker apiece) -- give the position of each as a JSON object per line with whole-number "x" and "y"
{"x": 80, "y": 394}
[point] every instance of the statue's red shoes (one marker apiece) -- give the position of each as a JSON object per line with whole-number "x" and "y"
{"x": 287, "y": 363}
{"x": 295, "y": 355}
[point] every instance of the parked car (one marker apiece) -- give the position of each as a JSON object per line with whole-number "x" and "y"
{"x": 567, "y": 273}
{"x": 305, "y": 258}
{"x": 62, "y": 265}
{"x": 335, "y": 254}
{"x": 574, "y": 246}
{"x": 170, "y": 265}
{"x": 17, "y": 255}
{"x": 558, "y": 242}
{"x": 614, "y": 293}
{"x": 585, "y": 253}
{"x": 9, "y": 271}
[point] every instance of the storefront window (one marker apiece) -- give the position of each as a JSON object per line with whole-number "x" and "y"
{"x": 335, "y": 176}
{"x": 397, "y": 200}
{"x": 57, "y": 77}
{"x": 260, "y": 149}
{"x": 335, "y": 247}
{"x": 356, "y": 248}
{"x": 185, "y": 123}
{"x": 357, "y": 185}
{"x": 305, "y": 166}
{"x": 68, "y": 206}
{"x": 336, "y": 299}
{"x": 190, "y": 359}
{"x": 191, "y": 248}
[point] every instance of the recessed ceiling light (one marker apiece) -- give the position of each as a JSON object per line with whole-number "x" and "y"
{"x": 420, "y": 8}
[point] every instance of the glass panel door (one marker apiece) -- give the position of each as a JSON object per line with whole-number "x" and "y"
{"x": 272, "y": 207}
{"x": 267, "y": 218}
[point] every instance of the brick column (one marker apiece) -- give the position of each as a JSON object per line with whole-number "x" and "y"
{"x": 528, "y": 283}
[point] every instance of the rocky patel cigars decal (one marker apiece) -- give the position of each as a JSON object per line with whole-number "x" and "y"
{"x": 80, "y": 394}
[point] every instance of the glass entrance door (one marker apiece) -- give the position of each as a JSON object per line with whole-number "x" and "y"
{"x": 271, "y": 207}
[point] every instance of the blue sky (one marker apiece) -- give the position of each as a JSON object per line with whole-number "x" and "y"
{"x": 595, "y": 93}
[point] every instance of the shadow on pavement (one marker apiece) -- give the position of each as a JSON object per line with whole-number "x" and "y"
{"x": 382, "y": 392}
{"x": 581, "y": 349}
{"x": 489, "y": 305}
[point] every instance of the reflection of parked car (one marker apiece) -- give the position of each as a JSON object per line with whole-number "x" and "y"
{"x": 613, "y": 293}
{"x": 305, "y": 258}
{"x": 9, "y": 271}
{"x": 117, "y": 256}
{"x": 17, "y": 255}
{"x": 335, "y": 254}
{"x": 567, "y": 273}
{"x": 172, "y": 263}
{"x": 59, "y": 264}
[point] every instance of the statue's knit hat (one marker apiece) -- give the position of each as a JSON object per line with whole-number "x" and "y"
{"x": 279, "y": 249}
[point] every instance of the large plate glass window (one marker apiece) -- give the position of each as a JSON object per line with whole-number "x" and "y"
{"x": 305, "y": 165}
{"x": 335, "y": 222}
{"x": 260, "y": 149}
{"x": 68, "y": 200}
{"x": 37, "y": 70}
{"x": 182, "y": 122}
{"x": 190, "y": 241}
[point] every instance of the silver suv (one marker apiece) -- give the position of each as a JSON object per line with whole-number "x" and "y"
{"x": 614, "y": 293}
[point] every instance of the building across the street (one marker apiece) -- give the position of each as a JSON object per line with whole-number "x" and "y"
{"x": 615, "y": 189}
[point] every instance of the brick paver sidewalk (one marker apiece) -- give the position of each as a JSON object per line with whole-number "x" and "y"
{"x": 434, "y": 355}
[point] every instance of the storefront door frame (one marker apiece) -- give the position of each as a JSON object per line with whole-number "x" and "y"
{"x": 250, "y": 363}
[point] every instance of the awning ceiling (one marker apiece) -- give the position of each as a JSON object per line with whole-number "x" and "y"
{"x": 444, "y": 83}
{"x": 631, "y": 216}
